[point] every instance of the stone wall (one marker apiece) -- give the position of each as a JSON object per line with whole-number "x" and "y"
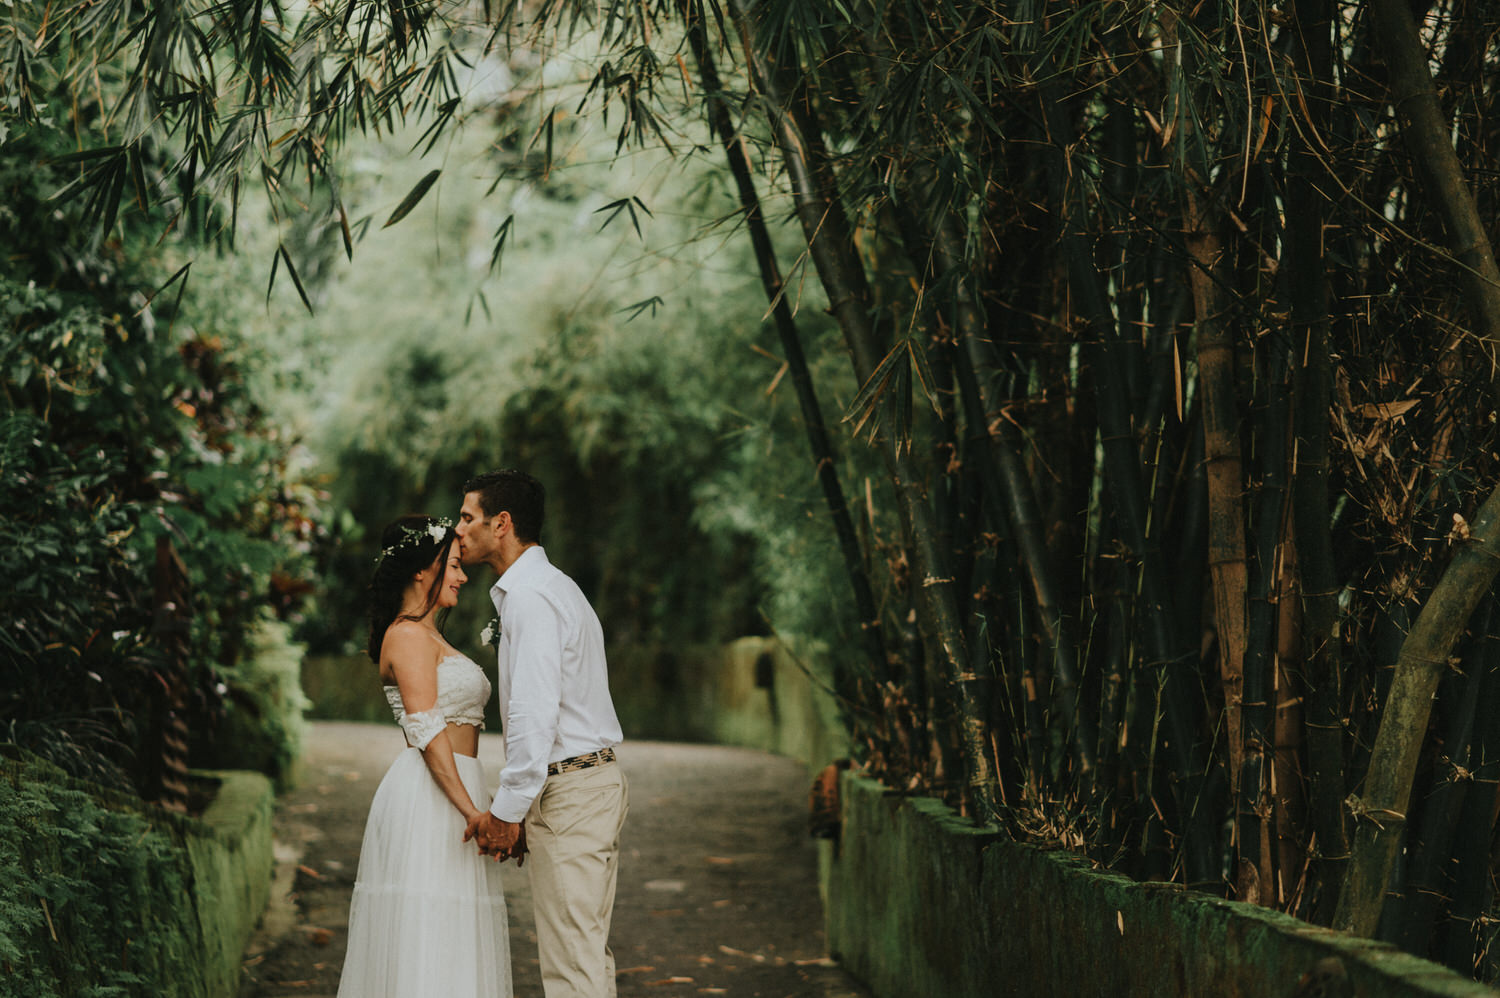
{"x": 922, "y": 903}
{"x": 765, "y": 695}
{"x": 229, "y": 846}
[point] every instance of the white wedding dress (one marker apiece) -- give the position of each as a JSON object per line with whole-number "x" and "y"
{"x": 427, "y": 918}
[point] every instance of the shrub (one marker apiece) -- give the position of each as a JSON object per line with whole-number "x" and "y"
{"x": 95, "y": 899}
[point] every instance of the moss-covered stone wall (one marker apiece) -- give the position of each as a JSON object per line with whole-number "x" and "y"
{"x": 229, "y": 847}
{"x": 921, "y": 903}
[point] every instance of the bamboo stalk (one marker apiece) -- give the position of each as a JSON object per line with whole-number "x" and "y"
{"x": 1431, "y": 850}
{"x": 1124, "y": 479}
{"x": 791, "y": 343}
{"x": 1254, "y": 805}
{"x": 974, "y": 356}
{"x": 831, "y": 247}
{"x": 1414, "y": 97}
{"x": 1222, "y": 464}
{"x": 1380, "y": 811}
{"x": 1381, "y": 815}
{"x": 1476, "y": 823}
{"x": 1312, "y": 394}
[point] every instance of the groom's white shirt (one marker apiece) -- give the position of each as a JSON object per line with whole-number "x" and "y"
{"x": 553, "y": 681}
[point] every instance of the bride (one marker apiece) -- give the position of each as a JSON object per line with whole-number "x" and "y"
{"x": 428, "y": 913}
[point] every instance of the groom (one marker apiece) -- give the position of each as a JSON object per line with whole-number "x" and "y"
{"x": 560, "y": 774}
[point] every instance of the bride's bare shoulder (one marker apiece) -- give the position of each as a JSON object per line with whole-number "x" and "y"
{"x": 408, "y": 643}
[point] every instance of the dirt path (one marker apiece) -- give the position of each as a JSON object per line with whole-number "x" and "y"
{"x": 718, "y": 878}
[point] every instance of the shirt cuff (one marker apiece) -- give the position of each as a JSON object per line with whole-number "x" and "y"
{"x": 510, "y": 806}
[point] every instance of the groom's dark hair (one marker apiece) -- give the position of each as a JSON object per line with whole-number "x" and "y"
{"x": 518, "y": 494}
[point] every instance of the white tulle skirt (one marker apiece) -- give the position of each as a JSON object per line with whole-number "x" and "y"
{"x": 427, "y": 917}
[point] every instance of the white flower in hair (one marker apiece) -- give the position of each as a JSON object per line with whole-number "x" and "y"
{"x": 411, "y": 535}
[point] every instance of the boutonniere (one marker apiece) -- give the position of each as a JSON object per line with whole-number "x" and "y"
{"x": 491, "y": 633}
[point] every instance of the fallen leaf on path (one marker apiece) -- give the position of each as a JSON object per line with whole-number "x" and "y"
{"x": 665, "y": 885}
{"x": 705, "y": 959}
{"x": 634, "y": 970}
{"x": 822, "y": 961}
{"x": 669, "y": 980}
{"x": 719, "y": 860}
{"x": 731, "y": 951}
{"x": 723, "y": 903}
{"x": 713, "y": 991}
{"x": 318, "y": 936}
{"x": 667, "y": 912}
{"x": 309, "y": 871}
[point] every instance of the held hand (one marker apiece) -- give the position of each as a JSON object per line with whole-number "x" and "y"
{"x": 495, "y": 837}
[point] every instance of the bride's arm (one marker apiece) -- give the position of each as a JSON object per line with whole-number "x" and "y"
{"x": 411, "y": 660}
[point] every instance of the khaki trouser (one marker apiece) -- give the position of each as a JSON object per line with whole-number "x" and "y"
{"x": 573, "y": 832}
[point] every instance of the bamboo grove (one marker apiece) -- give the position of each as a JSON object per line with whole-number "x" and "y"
{"x": 1175, "y": 326}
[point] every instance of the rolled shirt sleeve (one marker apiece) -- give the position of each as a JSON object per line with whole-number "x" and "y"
{"x": 532, "y": 634}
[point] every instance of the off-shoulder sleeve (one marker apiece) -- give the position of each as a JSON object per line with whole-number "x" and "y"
{"x": 423, "y": 726}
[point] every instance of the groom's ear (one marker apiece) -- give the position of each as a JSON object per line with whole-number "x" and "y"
{"x": 502, "y": 524}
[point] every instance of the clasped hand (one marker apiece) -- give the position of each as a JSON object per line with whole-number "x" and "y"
{"x": 501, "y": 839}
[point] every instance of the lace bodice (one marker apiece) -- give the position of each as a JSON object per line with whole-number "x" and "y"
{"x": 462, "y": 691}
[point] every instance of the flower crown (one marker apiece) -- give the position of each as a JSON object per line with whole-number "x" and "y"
{"x": 411, "y": 536}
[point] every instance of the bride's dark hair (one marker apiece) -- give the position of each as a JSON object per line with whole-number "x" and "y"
{"x": 408, "y": 545}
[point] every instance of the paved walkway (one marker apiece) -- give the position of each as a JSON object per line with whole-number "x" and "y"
{"x": 718, "y": 878}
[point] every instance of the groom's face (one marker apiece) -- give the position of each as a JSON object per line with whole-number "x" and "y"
{"x": 476, "y": 534}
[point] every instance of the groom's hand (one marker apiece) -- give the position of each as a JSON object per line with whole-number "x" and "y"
{"x": 495, "y": 837}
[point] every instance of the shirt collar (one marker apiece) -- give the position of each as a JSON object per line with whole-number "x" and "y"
{"x": 530, "y": 564}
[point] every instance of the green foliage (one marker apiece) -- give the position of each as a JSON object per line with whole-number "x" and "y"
{"x": 94, "y": 899}
{"x": 127, "y": 418}
{"x": 681, "y": 493}
{"x": 261, "y": 726}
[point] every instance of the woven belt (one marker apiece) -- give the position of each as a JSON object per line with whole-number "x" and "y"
{"x": 578, "y": 762}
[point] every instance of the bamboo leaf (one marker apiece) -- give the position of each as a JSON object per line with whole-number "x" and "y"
{"x": 412, "y": 198}
{"x": 869, "y": 395}
{"x": 138, "y": 179}
{"x": 275, "y": 266}
{"x": 925, "y": 376}
{"x": 501, "y": 234}
{"x": 181, "y": 273}
{"x": 296, "y": 279}
{"x": 83, "y": 155}
{"x": 626, "y": 205}
{"x": 899, "y": 399}
{"x": 344, "y": 231}
{"x": 440, "y": 119}
{"x": 641, "y": 306}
